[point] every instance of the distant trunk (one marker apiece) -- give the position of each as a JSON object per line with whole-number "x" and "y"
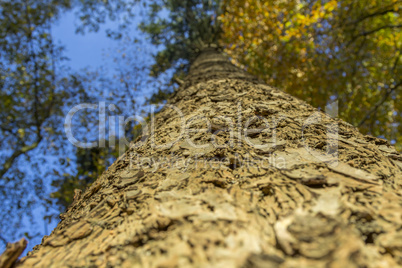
{"x": 265, "y": 190}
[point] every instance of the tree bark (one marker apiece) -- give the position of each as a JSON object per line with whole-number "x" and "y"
{"x": 277, "y": 184}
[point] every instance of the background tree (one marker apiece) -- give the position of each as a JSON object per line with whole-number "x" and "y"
{"x": 320, "y": 51}
{"x": 36, "y": 91}
{"x": 30, "y": 99}
{"x": 182, "y": 28}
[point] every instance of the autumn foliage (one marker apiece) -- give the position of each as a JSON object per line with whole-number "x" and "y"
{"x": 321, "y": 51}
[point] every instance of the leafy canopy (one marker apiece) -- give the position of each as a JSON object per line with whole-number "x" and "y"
{"x": 321, "y": 51}
{"x": 183, "y": 28}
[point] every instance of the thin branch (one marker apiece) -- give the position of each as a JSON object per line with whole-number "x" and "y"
{"x": 378, "y": 13}
{"x": 2, "y": 239}
{"x": 36, "y": 72}
{"x": 364, "y": 34}
{"x": 396, "y": 61}
{"x": 381, "y": 102}
{"x": 380, "y": 28}
{"x": 7, "y": 165}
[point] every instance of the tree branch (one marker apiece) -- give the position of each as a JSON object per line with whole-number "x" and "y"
{"x": 364, "y": 34}
{"x": 380, "y": 28}
{"x": 378, "y": 13}
{"x": 2, "y": 239}
{"x": 17, "y": 153}
{"x": 381, "y": 102}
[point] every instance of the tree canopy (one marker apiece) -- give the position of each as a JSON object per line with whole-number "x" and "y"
{"x": 322, "y": 51}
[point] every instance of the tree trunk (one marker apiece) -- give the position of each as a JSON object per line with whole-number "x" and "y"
{"x": 258, "y": 179}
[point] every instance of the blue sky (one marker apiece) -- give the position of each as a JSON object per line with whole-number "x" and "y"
{"x": 83, "y": 50}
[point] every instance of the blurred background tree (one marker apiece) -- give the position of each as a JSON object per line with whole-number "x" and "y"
{"x": 30, "y": 101}
{"x": 322, "y": 51}
{"x": 36, "y": 92}
{"x": 182, "y": 28}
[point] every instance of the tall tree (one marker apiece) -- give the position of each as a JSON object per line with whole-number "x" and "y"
{"x": 188, "y": 28}
{"x": 30, "y": 102}
{"x": 234, "y": 173}
{"x": 35, "y": 90}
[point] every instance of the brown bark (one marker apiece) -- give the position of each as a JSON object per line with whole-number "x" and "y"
{"x": 12, "y": 253}
{"x": 235, "y": 204}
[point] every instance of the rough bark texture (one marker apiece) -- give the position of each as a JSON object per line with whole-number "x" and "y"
{"x": 286, "y": 210}
{"x": 12, "y": 253}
